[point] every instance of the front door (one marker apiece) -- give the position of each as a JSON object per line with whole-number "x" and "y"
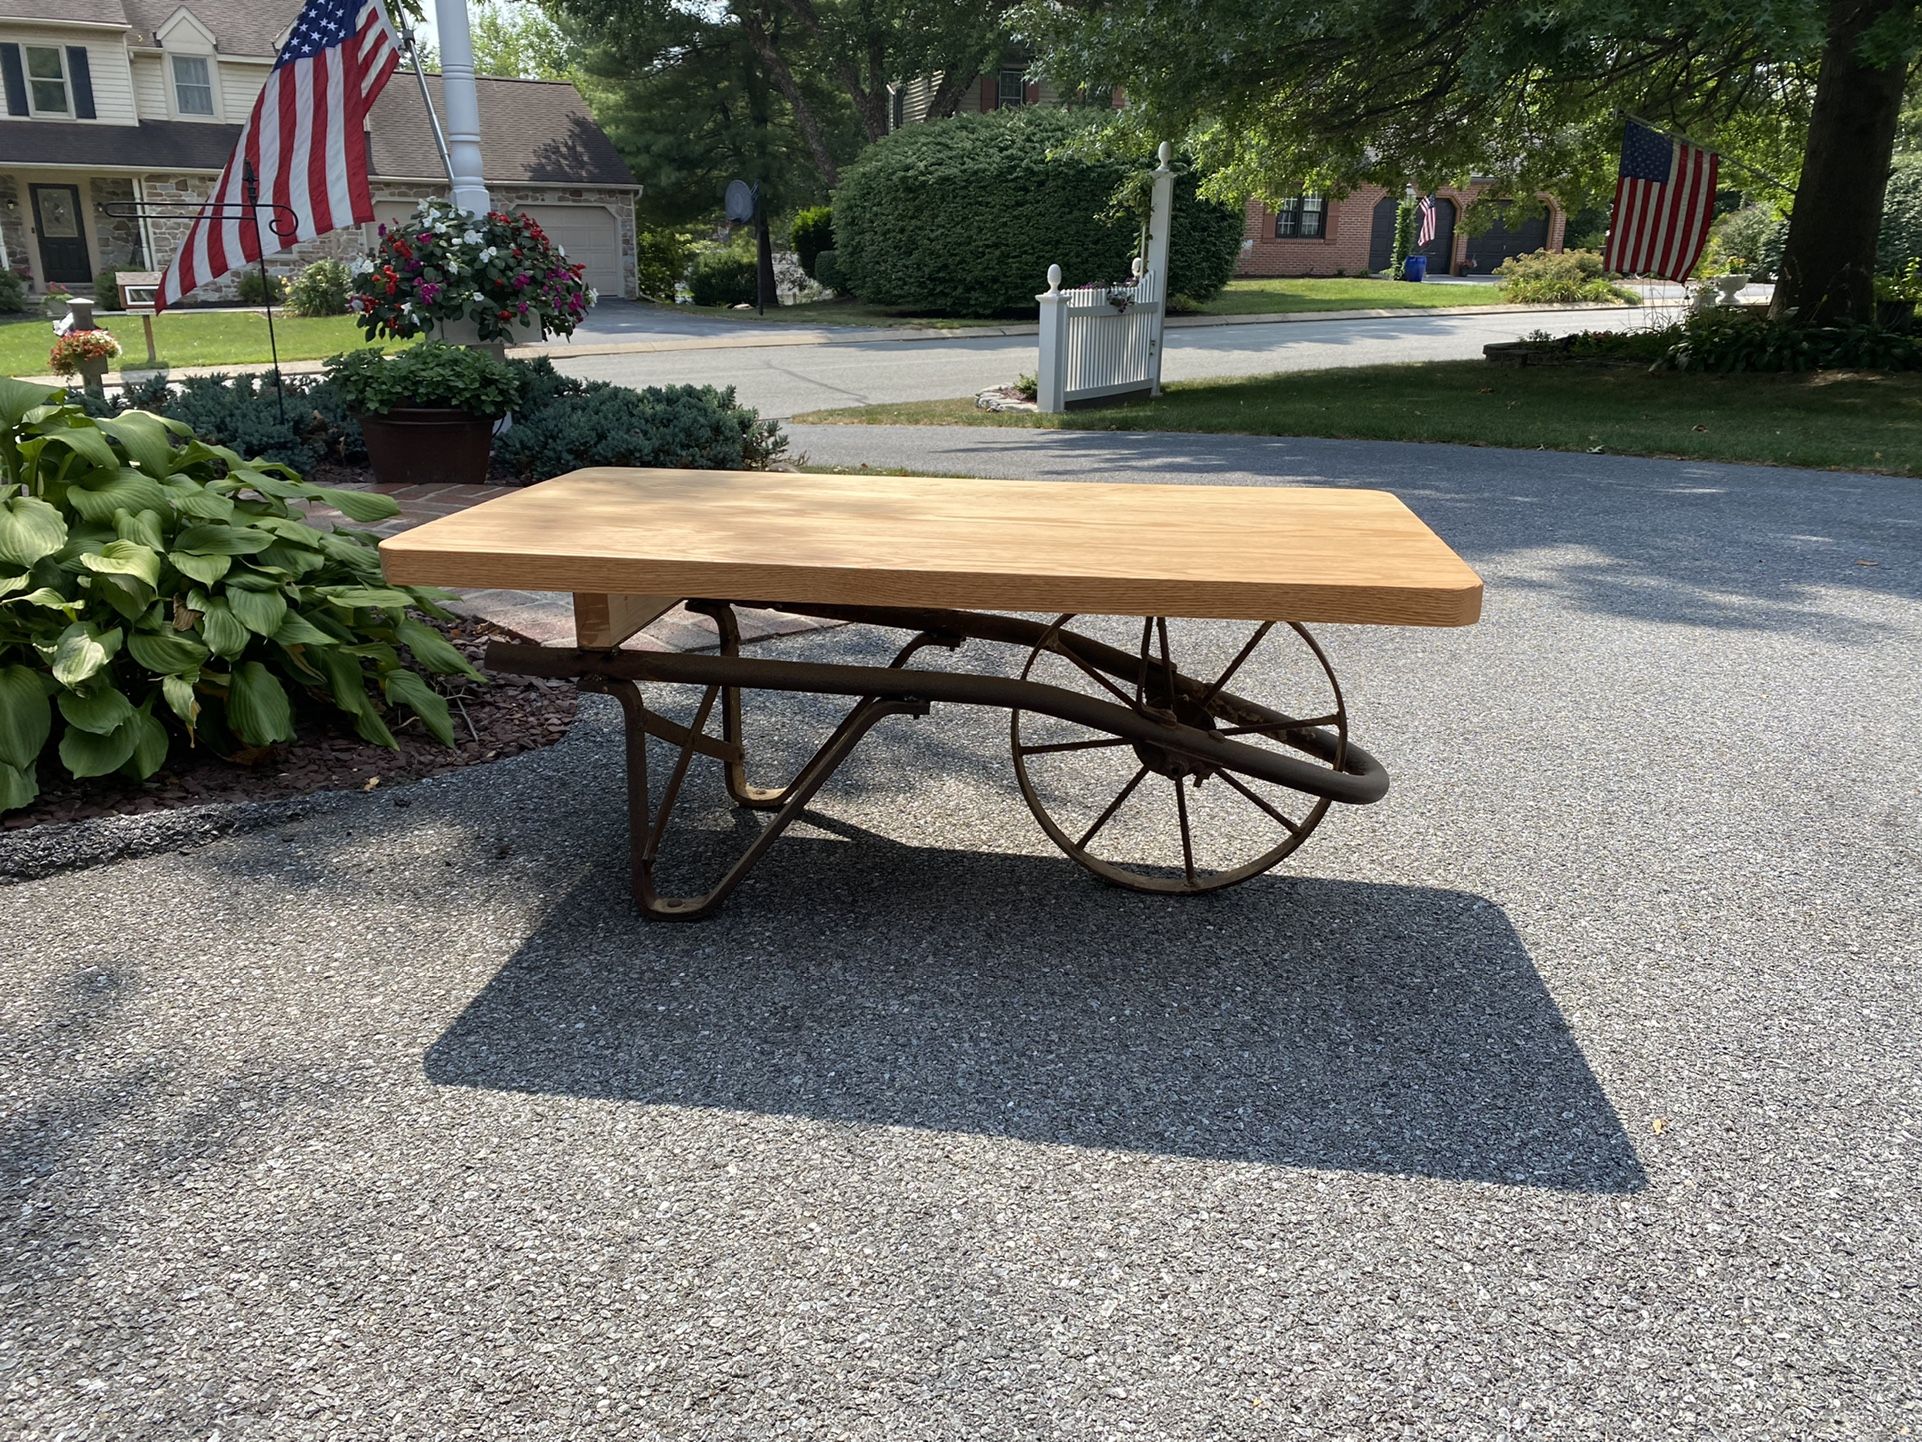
{"x": 63, "y": 238}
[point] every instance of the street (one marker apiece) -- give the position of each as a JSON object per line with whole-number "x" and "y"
{"x": 786, "y": 379}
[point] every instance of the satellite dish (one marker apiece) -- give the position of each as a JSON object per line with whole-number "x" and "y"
{"x": 742, "y": 201}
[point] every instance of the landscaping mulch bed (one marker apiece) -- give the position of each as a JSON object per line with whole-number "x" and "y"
{"x": 505, "y": 716}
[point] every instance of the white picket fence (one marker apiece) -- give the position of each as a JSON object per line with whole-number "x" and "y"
{"x": 1106, "y": 341}
{"x": 1103, "y": 342}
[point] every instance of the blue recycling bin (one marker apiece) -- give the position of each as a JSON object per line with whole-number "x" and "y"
{"x": 1415, "y": 268}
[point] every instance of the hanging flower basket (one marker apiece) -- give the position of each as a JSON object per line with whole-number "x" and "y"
{"x": 449, "y": 271}
{"x": 84, "y": 353}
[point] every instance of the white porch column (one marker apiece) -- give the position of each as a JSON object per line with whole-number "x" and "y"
{"x": 462, "y": 104}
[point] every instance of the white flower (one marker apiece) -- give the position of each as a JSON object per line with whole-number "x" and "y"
{"x": 488, "y": 254}
{"x": 479, "y": 297}
{"x": 362, "y": 265}
{"x": 471, "y": 237}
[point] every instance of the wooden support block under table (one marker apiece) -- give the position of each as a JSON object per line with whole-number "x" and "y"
{"x": 602, "y": 622}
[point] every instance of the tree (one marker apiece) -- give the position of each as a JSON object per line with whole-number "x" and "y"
{"x": 682, "y": 91}
{"x": 518, "y": 39}
{"x": 515, "y": 39}
{"x": 1279, "y": 96}
{"x": 825, "y": 59}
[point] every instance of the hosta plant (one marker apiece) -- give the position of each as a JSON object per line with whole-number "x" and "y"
{"x": 157, "y": 592}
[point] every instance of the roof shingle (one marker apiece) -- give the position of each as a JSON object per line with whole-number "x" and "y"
{"x": 152, "y": 144}
{"x": 240, "y": 27}
{"x": 533, "y": 132}
{"x": 92, "y": 12}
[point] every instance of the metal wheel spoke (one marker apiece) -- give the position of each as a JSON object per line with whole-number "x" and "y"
{"x": 1113, "y": 806}
{"x": 1187, "y": 836}
{"x": 1122, "y": 696}
{"x": 1245, "y": 789}
{"x": 1235, "y": 665}
{"x": 1096, "y": 743}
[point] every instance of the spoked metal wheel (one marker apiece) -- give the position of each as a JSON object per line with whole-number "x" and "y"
{"x": 1149, "y": 816}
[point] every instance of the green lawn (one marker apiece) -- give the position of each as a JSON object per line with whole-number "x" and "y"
{"x": 845, "y": 312}
{"x": 189, "y": 338}
{"x": 1838, "y": 420}
{"x": 1276, "y": 297}
{"x": 1242, "y": 297}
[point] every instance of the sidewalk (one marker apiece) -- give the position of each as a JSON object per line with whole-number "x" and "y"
{"x": 546, "y": 618}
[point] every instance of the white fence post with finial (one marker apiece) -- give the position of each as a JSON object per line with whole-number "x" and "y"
{"x": 1160, "y": 225}
{"x": 1051, "y": 370}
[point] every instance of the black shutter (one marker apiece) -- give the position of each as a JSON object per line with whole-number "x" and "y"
{"x": 15, "y": 75}
{"x": 80, "y": 76}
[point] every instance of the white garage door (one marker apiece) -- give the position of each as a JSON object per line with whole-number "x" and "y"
{"x": 587, "y": 232}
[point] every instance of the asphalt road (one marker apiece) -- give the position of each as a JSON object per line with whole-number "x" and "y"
{"x": 1571, "y": 1091}
{"x": 784, "y": 380}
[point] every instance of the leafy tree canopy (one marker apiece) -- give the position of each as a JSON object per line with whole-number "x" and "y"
{"x": 1275, "y": 95}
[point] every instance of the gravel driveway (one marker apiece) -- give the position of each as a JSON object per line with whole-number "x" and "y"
{"x": 1572, "y": 1091}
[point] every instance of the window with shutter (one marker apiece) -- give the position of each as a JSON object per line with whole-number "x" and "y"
{"x": 47, "y": 81}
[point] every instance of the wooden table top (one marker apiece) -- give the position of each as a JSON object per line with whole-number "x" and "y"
{"x": 1266, "y": 553}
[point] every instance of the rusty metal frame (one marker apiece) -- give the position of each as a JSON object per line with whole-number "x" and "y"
{"x": 1348, "y": 773}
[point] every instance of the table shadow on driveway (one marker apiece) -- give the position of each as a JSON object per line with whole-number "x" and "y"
{"x": 1294, "y": 1021}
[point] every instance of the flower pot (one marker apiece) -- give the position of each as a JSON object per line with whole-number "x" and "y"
{"x": 93, "y": 375}
{"x": 417, "y": 445}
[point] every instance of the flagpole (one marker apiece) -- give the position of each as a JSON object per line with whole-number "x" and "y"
{"x": 1727, "y": 159}
{"x": 463, "y": 108}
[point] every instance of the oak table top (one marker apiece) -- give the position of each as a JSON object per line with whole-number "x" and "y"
{"x": 1260, "y": 553}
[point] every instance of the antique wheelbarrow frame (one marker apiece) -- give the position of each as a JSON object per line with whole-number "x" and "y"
{"x": 1189, "y": 729}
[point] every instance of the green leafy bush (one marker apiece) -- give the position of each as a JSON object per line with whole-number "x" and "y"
{"x": 106, "y": 288}
{"x": 723, "y": 276}
{"x": 965, "y": 217}
{"x": 827, "y": 270}
{"x": 430, "y": 374}
{"x": 812, "y": 233}
{"x": 1744, "y": 338}
{"x": 661, "y": 258}
{"x": 13, "y": 293}
{"x": 320, "y": 289}
{"x": 157, "y": 591}
{"x": 1900, "y": 240}
{"x": 1547, "y": 277}
{"x": 243, "y": 414}
{"x": 597, "y": 424}
{"x": 1746, "y": 241}
{"x": 255, "y": 289}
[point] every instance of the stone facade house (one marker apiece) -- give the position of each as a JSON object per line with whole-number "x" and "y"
{"x": 113, "y": 104}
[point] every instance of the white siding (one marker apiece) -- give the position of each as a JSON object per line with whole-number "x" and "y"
{"x": 240, "y": 82}
{"x": 106, "y": 61}
{"x": 150, "y": 86}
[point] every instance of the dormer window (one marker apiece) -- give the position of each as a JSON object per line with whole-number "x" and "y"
{"x": 47, "y": 80}
{"x": 193, "y": 85}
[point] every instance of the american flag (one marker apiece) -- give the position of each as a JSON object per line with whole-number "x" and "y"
{"x": 1425, "y": 234}
{"x": 1664, "y": 201}
{"x": 304, "y": 142}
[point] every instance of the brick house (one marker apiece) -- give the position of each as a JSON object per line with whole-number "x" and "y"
{"x": 1352, "y": 235}
{"x": 1355, "y": 234}
{"x": 114, "y": 103}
